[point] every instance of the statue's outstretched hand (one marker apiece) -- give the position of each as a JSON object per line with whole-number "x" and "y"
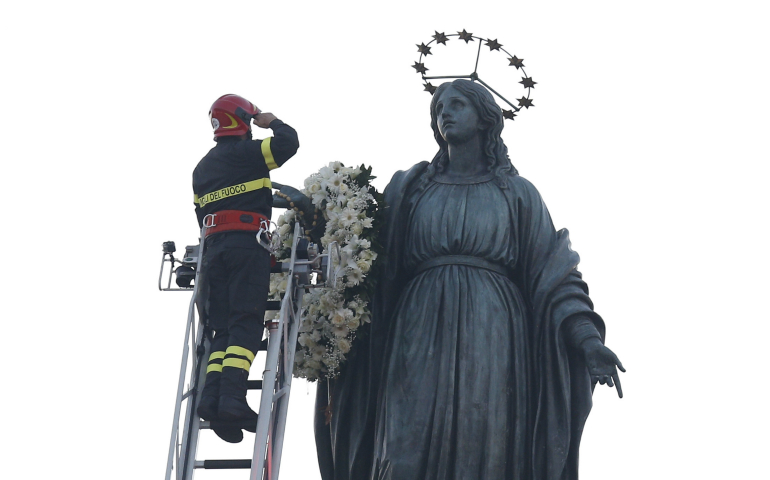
{"x": 294, "y": 196}
{"x": 601, "y": 362}
{"x": 313, "y": 221}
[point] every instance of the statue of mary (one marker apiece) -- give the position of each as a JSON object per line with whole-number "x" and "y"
{"x": 484, "y": 348}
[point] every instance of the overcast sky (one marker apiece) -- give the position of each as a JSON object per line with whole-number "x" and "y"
{"x": 648, "y": 141}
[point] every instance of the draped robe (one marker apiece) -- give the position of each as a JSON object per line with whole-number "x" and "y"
{"x": 424, "y": 423}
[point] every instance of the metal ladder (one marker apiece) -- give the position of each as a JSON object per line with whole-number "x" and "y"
{"x": 280, "y": 345}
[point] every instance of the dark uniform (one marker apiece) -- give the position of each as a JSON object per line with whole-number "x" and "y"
{"x": 234, "y": 175}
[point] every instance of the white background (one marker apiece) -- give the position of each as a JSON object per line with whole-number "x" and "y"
{"x": 648, "y": 141}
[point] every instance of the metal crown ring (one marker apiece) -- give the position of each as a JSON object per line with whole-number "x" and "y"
{"x": 514, "y": 61}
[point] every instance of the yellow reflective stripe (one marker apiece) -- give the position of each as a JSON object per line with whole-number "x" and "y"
{"x": 233, "y": 190}
{"x": 237, "y": 363}
{"x": 241, "y": 351}
{"x": 214, "y": 367}
{"x": 268, "y": 154}
{"x": 216, "y": 355}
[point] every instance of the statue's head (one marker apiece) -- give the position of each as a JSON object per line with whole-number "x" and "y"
{"x": 489, "y": 114}
{"x": 490, "y": 121}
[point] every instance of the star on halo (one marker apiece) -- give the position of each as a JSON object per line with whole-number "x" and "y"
{"x": 420, "y": 67}
{"x": 508, "y": 114}
{"x": 527, "y": 82}
{"x": 430, "y": 88}
{"x": 468, "y": 37}
{"x": 516, "y": 62}
{"x": 525, "y": 102}
{"x": 493, "y": 45}
{"x": 424, "y": 49}
{"x": 440, "y": 38}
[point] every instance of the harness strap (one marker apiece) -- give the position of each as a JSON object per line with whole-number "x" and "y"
{"x": 466, "y": 260}
{"x": 228, "y": 220}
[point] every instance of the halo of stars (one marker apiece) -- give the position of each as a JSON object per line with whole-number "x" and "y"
{"x": 441, "y": 38}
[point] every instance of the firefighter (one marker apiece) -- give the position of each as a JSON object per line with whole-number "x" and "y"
{"x": 233, "y": 197}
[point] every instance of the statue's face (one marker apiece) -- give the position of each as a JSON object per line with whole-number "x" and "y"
{"x": 457, "y": 119}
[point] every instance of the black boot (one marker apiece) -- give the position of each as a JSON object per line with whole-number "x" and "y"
{"x": 232, "y": 399}
{"x": 208, "y": 407}
{"x": 209, "y": 402}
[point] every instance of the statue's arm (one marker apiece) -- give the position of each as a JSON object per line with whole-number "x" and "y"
{"x": 290, "y": 197}
{"x": 544, "y": 253}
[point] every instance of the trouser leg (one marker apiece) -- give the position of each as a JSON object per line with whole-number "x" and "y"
{"x": 249, "y": 281}
{"x": 209, "y": 402}
{"x": 218, "y": 311}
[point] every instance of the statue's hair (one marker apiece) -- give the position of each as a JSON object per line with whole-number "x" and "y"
{"x": 494, "y": 149}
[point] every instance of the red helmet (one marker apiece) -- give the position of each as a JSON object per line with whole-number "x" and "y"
{"x": 231, "y": 115}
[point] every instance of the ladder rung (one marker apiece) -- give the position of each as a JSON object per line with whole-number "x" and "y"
{"x": 222, "y": 464}
{"x": 273, "y": 305}
{"x": 206, "y": 424}
{"x": 254, "y": 384}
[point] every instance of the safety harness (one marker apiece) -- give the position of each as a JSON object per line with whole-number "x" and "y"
{"x": 227, "y": 220}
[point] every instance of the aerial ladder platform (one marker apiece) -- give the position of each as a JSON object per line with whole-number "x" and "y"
{"x": 307, "y": 268}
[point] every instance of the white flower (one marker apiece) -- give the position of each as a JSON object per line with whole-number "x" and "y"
{"x": 341, "y": 331}
{"x": 353, "y": 324}
{"x": 344, "y": 345}
{"x": 348, "y": 217}
{"x": 337, "y": 318}
{"x": 317, "y": 352}
{"x": 326, "y": 172}
{"x": 354, "y": 276}
{"x": 306, "y": 341}
{"x": 363, "y": 265}
{"x": 318, "y": 198}
{"x": 334, "y": 182}
{"x": 357, "y": 228}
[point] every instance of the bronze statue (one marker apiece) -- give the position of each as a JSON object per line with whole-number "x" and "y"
{"x": 484, "y": 348}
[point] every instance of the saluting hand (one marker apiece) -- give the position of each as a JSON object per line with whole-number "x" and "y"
{"x": 263, "y": 119}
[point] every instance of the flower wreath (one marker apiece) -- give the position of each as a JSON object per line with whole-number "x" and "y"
{"x": 333, "y": 318}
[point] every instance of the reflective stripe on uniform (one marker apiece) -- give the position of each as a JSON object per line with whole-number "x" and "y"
{"x": 216, "y": 358}
{"x": 216, "y": 355}
{"x": 243, "y": 352}
{"x": 233, "y": 190}
{"x": 268, "y": 154}
{"x": 237, "y": 363}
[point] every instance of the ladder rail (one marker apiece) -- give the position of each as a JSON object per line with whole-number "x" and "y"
{"x": 266, "y": 413}
{"x": 183, "y": 369}
{"x": 197, "y": 378}
{"x": 281, "y": 408}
